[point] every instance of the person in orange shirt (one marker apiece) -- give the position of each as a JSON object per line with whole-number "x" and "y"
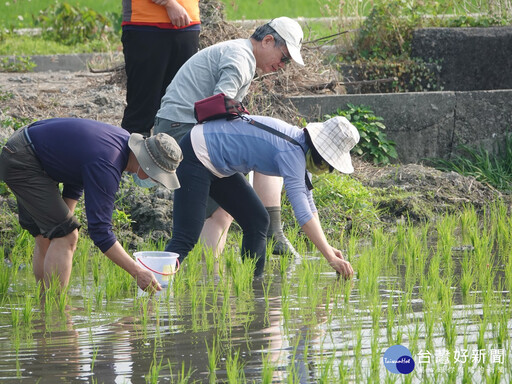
{"x": 158, "y": 36}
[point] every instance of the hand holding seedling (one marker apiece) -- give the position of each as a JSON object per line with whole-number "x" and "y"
{"x": 147, "y": 281}
{"x": 341, "y": 266}
{"x": 334, "y": 257}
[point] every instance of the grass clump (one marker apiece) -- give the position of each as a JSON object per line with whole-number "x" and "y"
{"x": 494, "y": 169}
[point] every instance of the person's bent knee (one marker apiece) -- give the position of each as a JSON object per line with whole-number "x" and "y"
{"x": 67, "y": 227}
{"x": 220, "y": 215}
{"x": 72, "y": 238}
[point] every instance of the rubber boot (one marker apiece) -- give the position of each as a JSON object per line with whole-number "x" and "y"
{"x": 275, "y": 235}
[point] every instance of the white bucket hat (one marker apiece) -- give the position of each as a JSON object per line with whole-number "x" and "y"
{"x": 333, "y": 139}
{"x": 292, "y": 34}
{"x": 158, "y": 156}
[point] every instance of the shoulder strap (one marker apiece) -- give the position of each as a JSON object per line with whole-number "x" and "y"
{"x": 282, "y": 135}
{"x": 275, "y": 132}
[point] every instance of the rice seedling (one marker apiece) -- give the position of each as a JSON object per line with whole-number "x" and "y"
{"x": 183, "y": 376}
{"x": 268, "y": 368}
{"x": 22, "y": 251}
{"x": 234, "y": 368}
{"x": 28, "y": 310}
{"x": 15, "y": 316}
{"x": 152, "y": 377}
{"x": 390, "y": 321}
{"x": 118, "y": 282}
{"x": 242, "y": 274}
{"x": 447, "y": 316}
{"x": 5, "y": 278}
{"x": 325, "y": 369}
{"x": 284, "y": 264}
{"x": 358, "y": 363}
{"x": 99, "y": 294}
{"x": 213, "y": 360}
{"x": 94, "y": 357}
{"x": 467, "y": 278}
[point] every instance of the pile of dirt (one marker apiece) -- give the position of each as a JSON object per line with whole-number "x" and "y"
{"x": 421, "y": 193}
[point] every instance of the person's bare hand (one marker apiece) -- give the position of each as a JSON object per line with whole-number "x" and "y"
{"x": 177, "y": 14}
{"x": 147, "y": 281}
{"x": 342, "y": 266}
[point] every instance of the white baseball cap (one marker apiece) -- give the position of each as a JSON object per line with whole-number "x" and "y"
{"x": 292, "y": 34}
{"x": 333, "y": 139}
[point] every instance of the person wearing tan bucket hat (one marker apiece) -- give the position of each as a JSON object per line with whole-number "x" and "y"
{"x": 229, "y": 67}
{"x": 88, "y": 157}
{"x": 216, "y": 153}
{"x": 159, "y": 150}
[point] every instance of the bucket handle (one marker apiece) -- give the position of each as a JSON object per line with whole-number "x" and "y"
{"x": 161, "y": 273}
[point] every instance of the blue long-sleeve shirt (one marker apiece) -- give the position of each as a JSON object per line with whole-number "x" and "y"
{"x": 87, "y": 157}
{"x": 237, "y": 146}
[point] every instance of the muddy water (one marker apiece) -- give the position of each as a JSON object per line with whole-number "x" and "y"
{"x": 120, "y": 341}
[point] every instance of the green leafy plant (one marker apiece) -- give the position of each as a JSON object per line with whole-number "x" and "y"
{"x": 121, "y": 219}
{"x": 5, "y": 95}
{"x": 16, "y": 64}
{"x": 408, "y": 75}
{"x": 387, "y": 31}
{"x": 13, "y": 122}
{"x": 373, "y": 144}
{"x": 70, "y": 24}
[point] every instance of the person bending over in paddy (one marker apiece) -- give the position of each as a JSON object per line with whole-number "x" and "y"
{"x": 229, "y": 67}
{"x": 216, "y": 153}
{"x": 87, "y": 157}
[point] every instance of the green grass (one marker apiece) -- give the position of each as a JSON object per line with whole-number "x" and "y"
{"x": 19, "y": 13}
{"x": 37, "y": 45}
{"x": 494, "y": 169}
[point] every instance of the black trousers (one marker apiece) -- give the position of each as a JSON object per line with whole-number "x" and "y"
{"x": 152, "y": 58}
{"x": 233, "y": 193}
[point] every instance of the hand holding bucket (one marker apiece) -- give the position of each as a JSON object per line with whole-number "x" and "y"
{"x": 161, "y": 263}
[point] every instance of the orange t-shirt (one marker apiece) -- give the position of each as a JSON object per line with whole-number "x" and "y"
{"x": 145, "y": 12}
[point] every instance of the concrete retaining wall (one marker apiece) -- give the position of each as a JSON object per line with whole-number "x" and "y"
{"x": 471, "y": 58}
{"x": 429, "y": 124}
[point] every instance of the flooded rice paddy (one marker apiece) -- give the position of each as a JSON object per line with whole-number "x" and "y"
{"x": 442, "y": 290}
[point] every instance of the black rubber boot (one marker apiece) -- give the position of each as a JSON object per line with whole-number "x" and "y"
{"x": 275, "y": 235}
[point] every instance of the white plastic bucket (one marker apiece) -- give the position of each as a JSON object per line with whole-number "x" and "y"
{"x": 162, "y": 264}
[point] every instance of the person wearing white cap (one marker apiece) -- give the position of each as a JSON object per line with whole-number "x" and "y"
{"x": 229, "y": 67}
{"x": 216, "y": 153}
{"x": 87, "y": 157}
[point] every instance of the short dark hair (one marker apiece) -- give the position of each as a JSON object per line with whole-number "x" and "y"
{"x": 264, "y": 30}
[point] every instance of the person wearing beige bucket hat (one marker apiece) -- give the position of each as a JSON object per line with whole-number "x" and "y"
{"x": 229, "y": 67}
{"x": 160, "y": 150}
{"x": 216, "y": 153}
{"x": 88, "y": 157}
{"x": 333, "y": 140}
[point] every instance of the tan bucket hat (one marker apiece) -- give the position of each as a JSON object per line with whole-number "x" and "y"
{"x": 158, "y": 156}
{"x": 333, "y": 139}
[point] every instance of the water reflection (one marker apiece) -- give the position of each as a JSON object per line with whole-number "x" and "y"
{"x": 286, "y": 327}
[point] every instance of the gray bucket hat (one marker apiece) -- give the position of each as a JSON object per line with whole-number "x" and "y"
{"x": 333, "y": 139}
{"x": 158, "y": 156}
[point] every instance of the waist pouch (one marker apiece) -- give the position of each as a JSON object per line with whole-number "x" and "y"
{"x": 218, "y": 106}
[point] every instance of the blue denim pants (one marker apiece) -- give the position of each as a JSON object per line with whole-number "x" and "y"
{"x": 233, "y": 193}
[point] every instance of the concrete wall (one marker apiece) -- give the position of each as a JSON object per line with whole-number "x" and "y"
{"x": 471, "y": 58}
{"x": 428, "y": 124}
